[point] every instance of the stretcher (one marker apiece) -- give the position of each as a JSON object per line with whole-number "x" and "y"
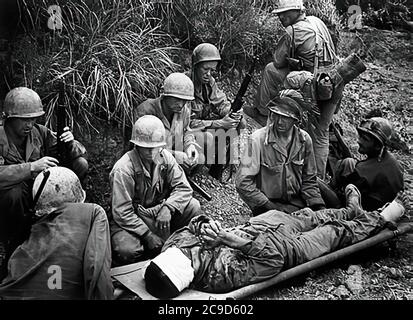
{"x": 131, "y": 276}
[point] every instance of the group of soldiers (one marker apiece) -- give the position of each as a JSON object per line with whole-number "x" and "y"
{"x": 281, "y": 177}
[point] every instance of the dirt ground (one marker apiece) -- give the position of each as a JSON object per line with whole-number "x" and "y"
{"x": 384, "y": 272}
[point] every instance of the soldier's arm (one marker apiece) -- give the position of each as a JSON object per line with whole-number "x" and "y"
{"x": 219, "y": 99}
{"x": 282, "y": 52}
{"x": 13, "y": 174}
{"x": 246, "y": 175}
{"x": 181, "y": 191}
{"x": 74, "y": 148}
{"x": 123, "y": 212}
{"x": 309, "y": 189}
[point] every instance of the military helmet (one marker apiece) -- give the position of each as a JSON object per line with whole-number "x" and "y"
{"x": 22, "y": 102}
{"x": 286, "y": 106}
{"x": 285, "y": 5}
{"x": 62, "y": 185}
{"x": 178, "y": 85}
{"x": 205, "y": 52}
{"x": 379, "y": 128}
{"x": 148, "y": 132}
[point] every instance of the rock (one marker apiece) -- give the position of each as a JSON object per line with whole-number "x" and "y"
{"x": 342, "y": 292}
{"x": 354, "y": 281}
{"x": 395, "y": 273}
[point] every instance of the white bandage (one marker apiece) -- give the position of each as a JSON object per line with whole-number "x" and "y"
{"x": 176, "y": 266}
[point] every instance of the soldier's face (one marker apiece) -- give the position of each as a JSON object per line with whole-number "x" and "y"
{"x": 289, "y": 17}
{"x": 204, "y": 71}
{"x": 174, "y": 104}
{"x": 282, "y": 123}
{"x": 21, "y": 127}
{"x": 367, "y": 144}
{"x": 149, "y": 154}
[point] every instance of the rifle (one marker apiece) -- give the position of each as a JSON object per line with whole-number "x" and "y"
{"x": 198, "y": 189}
{"x": 338, "y": 149}
{"x": 236, "y": 105}
{"x": 61, "y": 124}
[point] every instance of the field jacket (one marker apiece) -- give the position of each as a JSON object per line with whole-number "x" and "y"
{"x": 132, "y": 185}
{"x": 210, "y": 103}
{"x": 178, "y": 132}
{"x": 299, "y": 42}
{"x": 267, "y": 173}
{"x": 41, "y": 142}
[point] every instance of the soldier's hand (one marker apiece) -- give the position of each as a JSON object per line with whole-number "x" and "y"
{"x": 67, "y": 135}
{"x": 43, "y": 163}
{"x": 153, "y": 243}
{"x": 209, "y": 233}
{"x": 227, "y": 122}
{"x": 163, "y": 220}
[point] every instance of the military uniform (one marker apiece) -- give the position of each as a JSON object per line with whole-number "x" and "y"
{"x": 276, "y": 241}
{"x": 378, "y": 181}
{"x": 267, "y": 172}
{"x": 133, "y": 186}
{"x": 75, "y": 240}
{"x": 299, "y": 42}
{"x": 16, "y": 180}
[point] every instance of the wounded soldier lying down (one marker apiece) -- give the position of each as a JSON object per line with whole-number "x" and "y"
{"x": 206, "y": 257}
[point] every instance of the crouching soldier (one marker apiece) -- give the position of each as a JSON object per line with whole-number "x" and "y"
{"x": 278, "y": 169}
{"x": 379, "y": 177}
{"x": 67, "y": 255}
{"x": 173, "y": 110}
{"x": 27, "y": 148}
{"x": 211, "y": 108}
{"x": 150, "y": 195}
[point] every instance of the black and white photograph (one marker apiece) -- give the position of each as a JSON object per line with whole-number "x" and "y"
{"x": 206, "y": 158}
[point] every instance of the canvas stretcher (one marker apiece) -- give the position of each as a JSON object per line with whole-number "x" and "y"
{"x": 131, "y": 276}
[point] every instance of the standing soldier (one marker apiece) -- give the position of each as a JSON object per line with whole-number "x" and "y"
{"x": 26, "y": 149}
{"x": 150, "y": 195}
{"x": 278, "y": 169}
{"x": 173, "y": 110}
{"x": 211, "y": 108}
{"x": 306, "y": 47}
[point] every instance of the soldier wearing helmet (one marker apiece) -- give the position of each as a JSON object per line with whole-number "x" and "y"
{"x": 150, "y": 195}
{"x": 27, "y": 148}
{"x": 173, "y": 109}
{"x": 379, "y": 177}
{"x": 210, "y": 108}
{"x": 68, "y": 234}
{"x": 306, "y": 47}
{"x": 277, "y": 169}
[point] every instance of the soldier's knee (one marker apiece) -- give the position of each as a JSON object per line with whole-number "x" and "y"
{"x": 126, "y": 248}
{"x": 12, "y": 196}
{"x": 80, "y": 166}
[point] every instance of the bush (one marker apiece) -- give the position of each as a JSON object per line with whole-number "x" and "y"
{"x": 110, "y": 55}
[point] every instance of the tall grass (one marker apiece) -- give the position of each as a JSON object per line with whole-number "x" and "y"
{"x": 111, "y": 55}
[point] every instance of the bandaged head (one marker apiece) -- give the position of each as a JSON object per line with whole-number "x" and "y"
{"x": 168, "y": 274}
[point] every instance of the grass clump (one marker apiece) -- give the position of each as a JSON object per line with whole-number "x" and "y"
{"x": 111, "y": 56}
